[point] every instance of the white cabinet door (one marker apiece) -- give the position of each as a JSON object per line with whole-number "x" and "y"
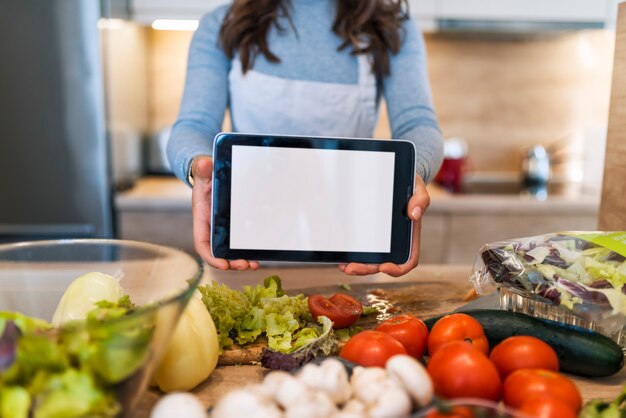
{"x": 425, "y": 13}
{"x": 527, "y": 10}
{"x": 423, "y": 9}
{"x": 146, "y": 11}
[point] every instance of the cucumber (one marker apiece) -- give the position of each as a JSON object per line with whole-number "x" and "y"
{"x": 581, "y": 351}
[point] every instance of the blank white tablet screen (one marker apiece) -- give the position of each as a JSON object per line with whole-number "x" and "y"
{"x": 311, "y": 199}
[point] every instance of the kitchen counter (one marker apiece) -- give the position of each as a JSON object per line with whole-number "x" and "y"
{"x": 158, "y": 209}
{"x": 226, "y": 378}
{"x": 167, "y": 193}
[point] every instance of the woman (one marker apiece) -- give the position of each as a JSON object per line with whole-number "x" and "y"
{"x": 304, "y": 67}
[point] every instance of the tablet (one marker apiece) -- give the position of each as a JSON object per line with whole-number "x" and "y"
{"x": 311, "y": 199}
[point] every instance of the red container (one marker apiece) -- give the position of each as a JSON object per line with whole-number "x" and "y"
{"x": 450, "y": 175}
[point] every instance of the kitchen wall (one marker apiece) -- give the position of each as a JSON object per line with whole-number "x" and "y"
{"x": 501, "y": 93}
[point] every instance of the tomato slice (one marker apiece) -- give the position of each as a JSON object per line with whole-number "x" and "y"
{"x": 342, "y": 309}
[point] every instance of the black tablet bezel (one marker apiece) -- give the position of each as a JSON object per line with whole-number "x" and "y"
{"x": 401, "y": 227}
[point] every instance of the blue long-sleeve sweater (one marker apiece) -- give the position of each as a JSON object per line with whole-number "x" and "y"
{"x": 310, "y": 54}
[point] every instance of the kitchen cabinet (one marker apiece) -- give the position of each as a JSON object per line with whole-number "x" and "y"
{"x": 146, "y": 11}
{"x": 528, "y": 10}
{"x": 519, "y": 15}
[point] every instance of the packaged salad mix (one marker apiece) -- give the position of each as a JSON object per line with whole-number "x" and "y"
{"x": 573, "y": 277}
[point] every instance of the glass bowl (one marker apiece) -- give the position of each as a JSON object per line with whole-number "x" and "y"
{"x": 120, "y": 352}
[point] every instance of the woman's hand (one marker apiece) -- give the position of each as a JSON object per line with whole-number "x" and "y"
{"x": 416, "y": 207}
{"x": 202, "y": 170}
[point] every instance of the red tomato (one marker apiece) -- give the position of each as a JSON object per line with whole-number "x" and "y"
{"x": 523, "y": 352}
{"x": 524, "y": 384}
{"x": 460, "y": 370}
{"x": 371, "y": 348}
{"x": 457, "y": 327}
{"x": 343, "y": 310}
{"x": 547, "y": 407}
{"x": 409, "y": 330}
{"x": 454, "y": 412}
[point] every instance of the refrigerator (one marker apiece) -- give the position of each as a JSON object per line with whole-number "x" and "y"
{"x": 55, "y": 168}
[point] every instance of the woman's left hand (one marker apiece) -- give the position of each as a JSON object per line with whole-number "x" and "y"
{"x": 418, "y": 204}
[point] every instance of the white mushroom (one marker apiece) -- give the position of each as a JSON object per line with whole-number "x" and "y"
{"x": 354, "y": 408}
{"x": 179, "y": 404}
{"x": 272, "y": 382}
{"x": 316, "y": 405}
{"x": 393, "y": 402}
{"x": 330, "y": 377}
{"x": 369, "y": 383}
{"x": 413, "y": 377}
{"x": 291, "y": 391}
{"x": 344, "y": 414}
{"x": 246, "y": 402}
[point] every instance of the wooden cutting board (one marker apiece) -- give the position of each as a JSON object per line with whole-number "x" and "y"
{"x": 422, "y": 299}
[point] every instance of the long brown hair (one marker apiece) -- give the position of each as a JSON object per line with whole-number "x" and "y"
{"x": 248, "y": 22}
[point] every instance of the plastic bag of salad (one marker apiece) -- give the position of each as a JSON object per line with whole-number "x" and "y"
{"x": 583, "y": 274}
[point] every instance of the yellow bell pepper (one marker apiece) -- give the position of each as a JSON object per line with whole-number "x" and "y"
{"x": 192, "y": 352}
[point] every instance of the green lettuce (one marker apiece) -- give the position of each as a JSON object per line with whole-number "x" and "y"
{"x": 311, "y": 342}
{"x": 259, "y": 310}
{"x": 26, "y": 324}
{"x": 71, "y": 371}
{"x": 15, "y": 402}
{"x": 70, "y": 394}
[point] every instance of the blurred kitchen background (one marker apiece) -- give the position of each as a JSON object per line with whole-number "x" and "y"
{"x": 520, "y": 87}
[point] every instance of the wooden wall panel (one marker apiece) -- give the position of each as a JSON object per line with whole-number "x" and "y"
{"x": 613, "y": 204}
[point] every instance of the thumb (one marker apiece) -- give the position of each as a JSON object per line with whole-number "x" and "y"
{"x": 202, "y": 168}
{"x": 419, "y": 202}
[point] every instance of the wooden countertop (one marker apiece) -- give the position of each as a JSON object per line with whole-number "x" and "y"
{"x": 164, "y": 193}
{"x": 227, "y": 378}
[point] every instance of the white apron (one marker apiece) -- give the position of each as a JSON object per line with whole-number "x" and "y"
{"x": 261, "y": 103}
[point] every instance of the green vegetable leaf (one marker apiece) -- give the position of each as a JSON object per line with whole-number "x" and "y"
{"x": 72, "y": 394}
{"x": 263, "y": 309}
{"x": 35, "y": 354}
{"x": 227, "y": 307}
{"x": 119, "y": 348}
{"x": 597, "y": 408}
{"x": 325, "y": 344}
{"x": 14, "y": 402}
{"x": 272, "y": 288}
{"x": 26, "y": 324}
{"x": 344, "y": 334}
{"x": 345, "y": 286}
{"x": 368, "y": 310}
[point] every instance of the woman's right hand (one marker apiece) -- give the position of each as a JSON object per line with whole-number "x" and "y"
{"x": 202, "y": 171}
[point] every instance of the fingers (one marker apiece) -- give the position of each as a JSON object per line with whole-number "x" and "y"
{"x": 416, "y": 207}
{"x": 419, "y": 202}
{"x": 359, "y": 269}
{"x": 396, "y": 270}
{"x": 242, "y": 265}
{"x": 201, "y": 211}
{"x": 202, "y": 170}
